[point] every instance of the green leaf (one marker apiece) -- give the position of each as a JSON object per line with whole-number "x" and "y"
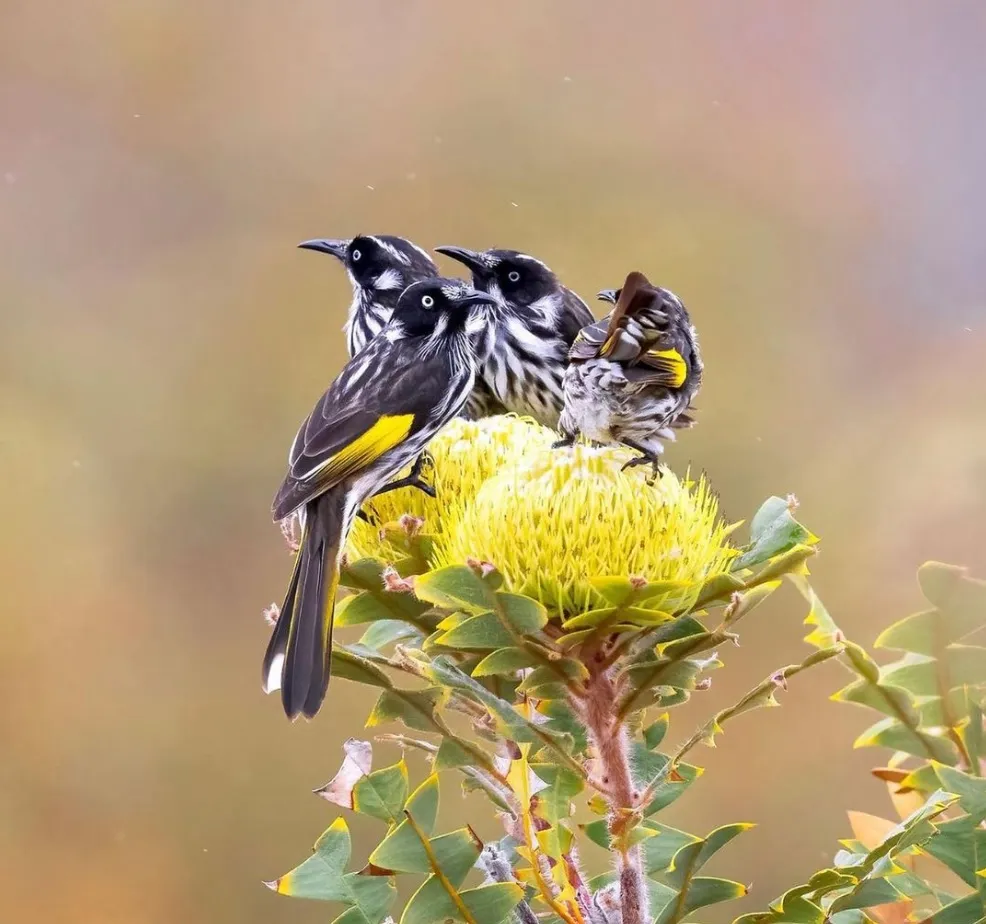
{"x": 890, "y": 733}
{"x": 504, "y": 661}
{"x": 973, "y": 734}
{"x": 654, "y": 733}
{"x": 648, "y": 764}
{"x": 383, "y": 793}
{"x": 525, "y": 615}
{"x": 386, "y": 632}
{"x": 402, "y": 841}
{"x": 372, "y": 898}
{"x": 693, "y": 856}
{"x": 480, "y": 633}
{"x": 701, "y": 892}
{"x": 968, "y": 910}
{"x": 554, "y": 802}
{"x": 825, "y": 632}
{"x": 454, "y": 853}
{"x": 488, "y": 904}
{"x": 773, "y": 531}
{"x": 352, "y": 667}
{"x": 456, "y": 587}
{"x": 660, "y": 849}
{"x": 321, "y": 875}
{"x": 452, "y": 754}
{"x": 868, "y": 893}
{"x": 970, "y": 790}
{"x": 375, "y": 601}
{"x": 957, "y": 844}
{"x": 415, "y": 708}
{"x": 921, "y": 675}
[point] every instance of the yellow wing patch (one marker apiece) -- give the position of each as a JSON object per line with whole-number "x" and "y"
{"x": 386, "y": 433}
{"x": 671, "y": 363}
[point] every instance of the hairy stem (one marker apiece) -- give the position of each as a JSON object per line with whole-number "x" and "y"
{"x": 608, "y": 735}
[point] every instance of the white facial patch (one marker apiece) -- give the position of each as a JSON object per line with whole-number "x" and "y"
{"x": 547, "y": 308}
{"x": 390, "y": 249}
{"x": 452, "y": 292}
{"x": 389, "y": 279}
{"x": 394, "y": 331}
{"x": 530, "y": 259}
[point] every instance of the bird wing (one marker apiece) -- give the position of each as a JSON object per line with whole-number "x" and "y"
{"x": 381, "y": 397}
{"x": 575, "y": 316}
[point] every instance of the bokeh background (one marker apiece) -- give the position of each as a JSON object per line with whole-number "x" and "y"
{"x": 808, "y": 177}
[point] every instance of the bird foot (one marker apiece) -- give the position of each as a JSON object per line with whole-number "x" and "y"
{"x": 564, "y": 443}
{"x": 652, "y": 460}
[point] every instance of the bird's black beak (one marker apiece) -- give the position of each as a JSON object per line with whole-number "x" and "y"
{"x": 475, "y": 298}
{"x": 327, "y": 245}
{"x": 469, "y": 258}
{"x": 608, "y": 295}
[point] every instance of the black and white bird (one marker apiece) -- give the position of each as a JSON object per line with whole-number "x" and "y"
{"x": 632, "y": 375}
{"x": 380, "y": 267}
{"x": 375, "y": 418}
{"x": 535, "y": 323}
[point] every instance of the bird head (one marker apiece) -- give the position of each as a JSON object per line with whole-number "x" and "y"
{"x": 515, "y": 279}
{"x": 378, "y": 263}
{"x": 438, "y": 304}
{"x": 609, "y": 295}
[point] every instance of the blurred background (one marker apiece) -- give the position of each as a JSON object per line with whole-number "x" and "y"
{"x": 808, "y": 178}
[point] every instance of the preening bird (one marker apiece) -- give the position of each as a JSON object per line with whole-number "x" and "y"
{"x": 632, "y": 375}
{"x": 379, "y": 267}
{"x": 535, "y": 323}
{"x": 375, "y": 418}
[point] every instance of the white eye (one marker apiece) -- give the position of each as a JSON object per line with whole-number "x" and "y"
{"x": 513, "y": 276}
{"x": 427, "y": 301}
{"x": 355, "y": 256}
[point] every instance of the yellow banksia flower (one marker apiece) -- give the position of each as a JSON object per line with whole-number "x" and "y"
{"x": 466, "y": 453}
{"x": 555, "y": 519}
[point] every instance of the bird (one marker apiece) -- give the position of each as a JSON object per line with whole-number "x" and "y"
{"x": 380, "y": 267}
{"x": 534, "y": 325}
{"x": 375, "y": 418}
{"x": 633, "y": 374}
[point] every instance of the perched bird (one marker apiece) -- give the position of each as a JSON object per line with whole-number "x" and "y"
{"x": 375, "y": 418}
{"x": 632, "y": 375}
{"x": 380, "y": 267}
{"x": 535, "y": 323}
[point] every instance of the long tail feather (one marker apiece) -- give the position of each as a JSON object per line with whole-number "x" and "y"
{"x": 299, "y": 653}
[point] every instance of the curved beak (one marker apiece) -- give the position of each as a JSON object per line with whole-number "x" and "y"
{"x": 469, "y": 258}
{"x": 608, "y": 295}
{"x": 326, "y": 245}
{"x": 475, "y": 298}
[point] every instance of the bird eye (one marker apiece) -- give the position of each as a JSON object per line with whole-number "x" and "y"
{"x": 513, "y": 276}
{"x": 355, "y": 256}
{"x": 427, "y": 301}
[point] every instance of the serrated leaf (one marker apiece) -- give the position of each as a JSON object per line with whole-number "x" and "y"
{"x": 968, "y": 910}
{"x": 659, "y": 850}
{"x": 561, "y": 786}
{"x": 356, "y": 764}
{"x": 524, "y": 614}
{"x": 454, "y": 854}
{"x": 892, "y": 701}
{"x": 693, "y": 856}
{"x": 372, "y": 895}
{"x": 456, "y": 587}
{"x": 452, "y": 754}
{"x": 382, "y": 794}
{"x": 321, "y": 875}
{"x": 868, "y": 893}
{"x": 504, "y": 661}
{"x": 648, "y": 764}
{"x": 824, "y": 631}
{"x": 555, "y": 841}
{"x": 366, "y": 575}
{"x": 773, "y": 531}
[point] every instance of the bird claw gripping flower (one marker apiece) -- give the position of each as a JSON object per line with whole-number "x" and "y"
{"x": 633, "y": 375}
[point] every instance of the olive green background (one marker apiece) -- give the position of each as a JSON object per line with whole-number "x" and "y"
{"x": 808, "y": 177}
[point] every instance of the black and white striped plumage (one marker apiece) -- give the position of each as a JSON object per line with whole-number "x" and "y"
{"x": 380, "y": 267}
{"x": 375, "y": 418}
{"x": 536, "y": 321}
{"x": 633, "y": 374}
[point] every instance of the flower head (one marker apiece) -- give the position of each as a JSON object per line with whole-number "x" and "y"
{"x": 466, "y": 454}
{"x": 555, "y": 519}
